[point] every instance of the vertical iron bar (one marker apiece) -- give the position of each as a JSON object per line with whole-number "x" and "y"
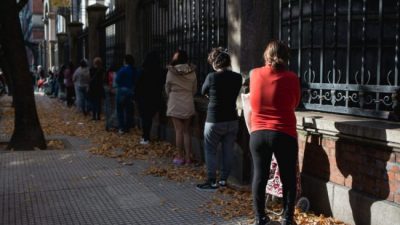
{"x": 378, "y": 68}
{"x": 397, "y": 49}
{"x": 348, "y": 51}
{"x": 212, "y": 23}
{"x": 334, "y": 66}
{"x": 290, "y": 27}
{"x": 335, "y": 35}
{"x": 193, "y": 36}
{"x": 218, "y": 16}
{"x": 280, "y": 20}
{"x": 322, "y": 56}
{"x": 363, "y": 42}
{"x": 300, "y": 35}
{"x": 310, "y": 54}
{"x": 225, "y": 23}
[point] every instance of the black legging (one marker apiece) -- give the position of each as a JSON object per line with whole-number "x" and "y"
{"x": 146, "y": 115}
{"x": 262, "y": 144}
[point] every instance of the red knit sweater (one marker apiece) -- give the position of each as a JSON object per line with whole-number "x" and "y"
{"x": 274, "y": 96}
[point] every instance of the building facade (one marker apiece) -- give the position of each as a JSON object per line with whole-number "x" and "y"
{"x": 346, "y": 54}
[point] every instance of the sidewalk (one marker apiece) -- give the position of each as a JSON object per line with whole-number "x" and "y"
{"x": 72, "y": 186}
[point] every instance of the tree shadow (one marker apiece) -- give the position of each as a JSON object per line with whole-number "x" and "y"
{"x": 315, "y": 163}
{"x": 363, "y": 165}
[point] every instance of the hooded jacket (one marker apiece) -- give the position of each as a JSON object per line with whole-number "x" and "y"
{"x": 180, "y": 87}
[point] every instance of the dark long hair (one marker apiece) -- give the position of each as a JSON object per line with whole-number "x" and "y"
{"x": 179, "y": 57}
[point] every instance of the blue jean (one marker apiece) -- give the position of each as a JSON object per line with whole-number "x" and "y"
{"x": 82, "y": 99}
{"x": 124, "y": 101}
{"x": 215, "y": 133}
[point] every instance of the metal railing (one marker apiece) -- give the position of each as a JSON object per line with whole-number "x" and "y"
{"x": 345, "y": 52}
{"x": 191, "y": 25}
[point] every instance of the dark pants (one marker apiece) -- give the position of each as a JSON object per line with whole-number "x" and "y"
{"x": 147, "y": 111}
{"x": 70, "y": 95}
{"x": 262, "y": 144}
{"x": 124, "y": 111}
{"x": 96, "y": 107}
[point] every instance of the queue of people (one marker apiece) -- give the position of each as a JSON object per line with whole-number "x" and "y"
{"x": 274, "y": 96}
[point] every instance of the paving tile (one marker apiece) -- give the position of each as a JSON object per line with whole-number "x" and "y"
{"x": 70, "y": 187}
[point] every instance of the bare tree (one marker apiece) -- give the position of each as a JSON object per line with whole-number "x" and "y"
{"x": 28, "y": 133}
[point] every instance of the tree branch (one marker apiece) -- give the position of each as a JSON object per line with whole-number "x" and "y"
{"x": 21, "y": 4}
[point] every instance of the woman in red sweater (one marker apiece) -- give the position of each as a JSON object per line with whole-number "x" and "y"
{"x": 274, "y": 96}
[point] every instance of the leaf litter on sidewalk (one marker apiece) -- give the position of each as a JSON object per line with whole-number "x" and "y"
{"x": 57, "y": 119}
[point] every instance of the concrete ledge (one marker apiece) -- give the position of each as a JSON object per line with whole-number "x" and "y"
{"x": 350, "y": 206}
{"x": 357, "y": 127}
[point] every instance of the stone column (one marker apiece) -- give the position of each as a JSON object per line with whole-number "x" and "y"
{"x": 96, "y": 15}
{"x": 251, "y": 24}
{"x": 74, "y": 28}
{"x": 51, "y": 40}
{"x": 132, "y": 29}
{"x": 62, "y": 38}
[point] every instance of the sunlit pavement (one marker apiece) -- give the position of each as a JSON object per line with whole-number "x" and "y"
{"x": 72, "y": 186}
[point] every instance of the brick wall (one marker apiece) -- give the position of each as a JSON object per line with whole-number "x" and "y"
{"x": 37, "y": 7}
{"x": 370, "y": 168}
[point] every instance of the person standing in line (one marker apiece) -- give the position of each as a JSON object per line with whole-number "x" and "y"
{"x": 125, "y": 82}
{"x": 81, "y": 79}
{"x": 222, "y": 88}
{"x": 274, "y": 96}
{"x": 96, "y": 90}
{"x": 149, "y": 92}
{"x": 61, "y": 85}
{"x": 69, "y": 84}
{"x": 109, "y": 102}
{"x": 180, "y": 87}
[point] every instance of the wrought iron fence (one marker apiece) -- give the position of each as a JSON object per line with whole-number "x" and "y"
{"x": 114, "y": 26}
{"x": 191, "y": 25}
{"x": 346, "y": 53}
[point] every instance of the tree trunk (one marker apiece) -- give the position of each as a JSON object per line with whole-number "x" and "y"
{"x": 28, "y": 133}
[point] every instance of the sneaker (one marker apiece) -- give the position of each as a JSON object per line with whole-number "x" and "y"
{"x": 143, "y": 142}
{"x": 207, "y": 186}
{"x": 222, "y": 183}
{"x": 120, "y": 131}
{"x": 178, "y": 161}
{"x": 262, "y": 220}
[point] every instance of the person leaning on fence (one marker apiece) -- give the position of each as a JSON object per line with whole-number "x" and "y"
{"x": 109, "y": 101}
{"x": 125, "y": 82}
{"x": 180, "y": 87}
{"x": 96, "y": 90}
{"x": 149, "y": 92}
{"x": 274, "y": 96}
{"x": 222, "y": 88}
{"x": 69, "y": 84}
{"x": 81, "y": 80}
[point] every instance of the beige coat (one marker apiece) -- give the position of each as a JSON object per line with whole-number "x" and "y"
{"x": 180, "y": 86}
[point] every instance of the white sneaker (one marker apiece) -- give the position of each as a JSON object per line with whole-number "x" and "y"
{"x": 121, "y": 131}
{"x": 143, "y": 142}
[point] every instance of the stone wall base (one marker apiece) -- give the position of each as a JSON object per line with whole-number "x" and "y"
{"x": 349, "y": 206}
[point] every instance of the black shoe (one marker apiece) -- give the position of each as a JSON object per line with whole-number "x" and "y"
{"x": 262, "y": 220}
{"x": 207, "y": 186}
{"x": 288, "y": 222}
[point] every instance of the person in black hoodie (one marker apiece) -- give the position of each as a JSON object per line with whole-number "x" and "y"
{"x": 149, "y": 92}
{"x": 96, "y": 89}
